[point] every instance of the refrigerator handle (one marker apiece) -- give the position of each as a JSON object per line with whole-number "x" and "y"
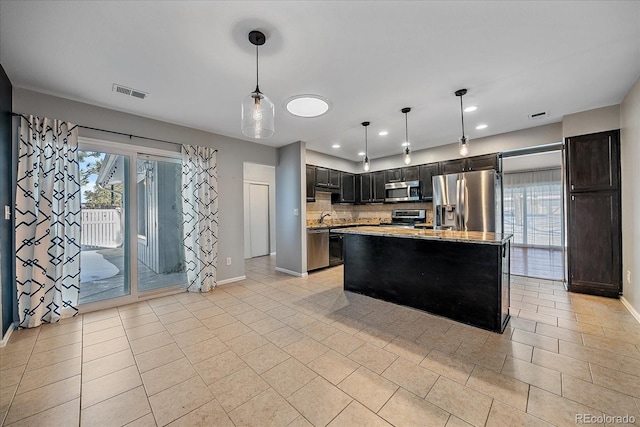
{"x": 458, "y": 204}
{"x": 463, "y": 204}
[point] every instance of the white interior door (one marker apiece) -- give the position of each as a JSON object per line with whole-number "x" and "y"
{"x": 258, "y": 219}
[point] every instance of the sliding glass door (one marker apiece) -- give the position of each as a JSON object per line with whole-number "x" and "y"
{"x": 131, "y": 225}
{"x": 159, "y": 220}
{"x": 104, "y": 256}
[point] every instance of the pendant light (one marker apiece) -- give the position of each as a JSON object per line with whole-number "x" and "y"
{"x": 365, "y": 164}
{"x": 463, "y": 142}
{"x": 406, "y": 153}
{"x": 257, "y": 110}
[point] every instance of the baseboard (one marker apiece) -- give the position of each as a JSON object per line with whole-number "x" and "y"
{"x": 5, "y": 338}
{"x": 231, "y": 280}
{"x": 293, "y": 273}
{"x": 629, "y": 307}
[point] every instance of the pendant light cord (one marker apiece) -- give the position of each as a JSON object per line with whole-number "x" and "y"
{"x": 257, "y": 70}
{"x": 366, "y": 143}
{"x": 462, "y": 115}
{"x": 406, "y": 129}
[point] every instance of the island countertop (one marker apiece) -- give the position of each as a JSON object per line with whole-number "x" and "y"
{"x": 428, "y": 234}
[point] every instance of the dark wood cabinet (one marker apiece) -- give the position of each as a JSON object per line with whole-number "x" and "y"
{"x": 347, "y": 187}
{"x": 481, "y": 163}
{"x": 377, "y": 186}
{"x": 327, "y": 177}
{"x": 427, "y": 172}
{"x": 393, "y": 175}
{"x": 363, "y": 188}
{"x": 311, "y": 183}
{"x": 595, "y": 243}
{"x": 476, "y": 163}
{"x": 594, "y": 161}
{"x": 594, "y": 214}
{"x": 411, "y": 173}
{"x": 334, "y": 178}
{"x": 453, "y": 166}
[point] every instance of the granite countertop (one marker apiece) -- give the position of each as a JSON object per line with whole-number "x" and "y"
{"x": 428, "y": 234}
{"x": 334, "y": 226}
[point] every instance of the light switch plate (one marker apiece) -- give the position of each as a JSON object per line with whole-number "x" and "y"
{"x": 7, "y": 212}
{"x": 295, "y": 212}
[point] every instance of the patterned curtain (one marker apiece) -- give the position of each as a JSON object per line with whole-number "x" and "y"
{"x": 200, "y": 216}
{"x": 47, "y": 221}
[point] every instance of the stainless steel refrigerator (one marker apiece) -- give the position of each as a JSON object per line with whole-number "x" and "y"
{"x": 468, "y": 201}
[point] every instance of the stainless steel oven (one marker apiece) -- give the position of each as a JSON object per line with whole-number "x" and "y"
{"x": 406, "y": 191}
{"x": 406, "y": 218}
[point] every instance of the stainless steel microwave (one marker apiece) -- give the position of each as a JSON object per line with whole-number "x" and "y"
{"x": 405, "y": 191}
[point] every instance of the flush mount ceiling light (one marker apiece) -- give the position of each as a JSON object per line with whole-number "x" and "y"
{"x": 362, "y": 153}
{"x": 257, "y": 110}
{"x": 482, "y": 126}
{"x": 365, "y": 163}
{"x": 335, "y": 146}
{"x": 463, "y": 142}
{"x": 470, "y": 108}
{"x": 307, "y": 105}
{"x": 383, "y": 133}
{"x": 406, "y": 153}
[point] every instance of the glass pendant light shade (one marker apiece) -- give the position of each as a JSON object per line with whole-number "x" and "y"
{"x": 258, "y": 113}
{"x": 366, "y": 165}
{"x": 407, "y": 155}
{"x": 463, "y": 146}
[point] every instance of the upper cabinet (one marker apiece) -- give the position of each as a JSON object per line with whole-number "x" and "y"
{"x": 427, "y": 172}
{"x": 393, "y": 175}
{"x": 347, "y": 187}
{"x": 363, "y": 188}
{"x": 377, "y": 186}
{"x": 311, "y": 183}
{"x": 409, "y": 173}
{"x": 593, "y": 161}
{"x": 469, "y": 164}
{"x": 327, "y": 177}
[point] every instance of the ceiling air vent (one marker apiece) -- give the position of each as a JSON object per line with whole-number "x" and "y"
{"x": 129, "y": 92}
{"x": 538, "y": 116}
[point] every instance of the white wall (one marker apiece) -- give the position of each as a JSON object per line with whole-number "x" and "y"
{"x": 331, "y": 162}
{"x": 291, "y": 210}
{"x": 592, "y": 121}
{"x": 539, "y": 135}
{"x": 264, "y": 174}
{"x": 630, "y": 149}
{"x": 232, "y": 153}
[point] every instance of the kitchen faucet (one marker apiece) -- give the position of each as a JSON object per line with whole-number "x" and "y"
{"x": 323, "y": 216}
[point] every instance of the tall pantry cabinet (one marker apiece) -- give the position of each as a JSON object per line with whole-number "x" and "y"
{"x": 594, "y": 214}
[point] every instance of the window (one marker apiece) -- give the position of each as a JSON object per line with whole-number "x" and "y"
{"x": 533, "y": 207}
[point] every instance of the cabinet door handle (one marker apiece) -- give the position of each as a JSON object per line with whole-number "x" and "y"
{"x": 573, "y": 197}
{"x": 572, "y": 186}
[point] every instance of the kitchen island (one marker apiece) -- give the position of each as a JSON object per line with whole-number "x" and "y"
{"x": 463, "y": 276}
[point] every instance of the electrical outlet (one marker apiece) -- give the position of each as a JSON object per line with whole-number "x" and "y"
{"x": 628, "y": 276}
{"x": 295, "y": 212}
{"x": 228, "y": 260}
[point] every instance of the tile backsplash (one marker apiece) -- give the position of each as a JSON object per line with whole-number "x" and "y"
{"x": 357, "y": 214}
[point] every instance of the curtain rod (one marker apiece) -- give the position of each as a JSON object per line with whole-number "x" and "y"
{"x": 112, "y": 131}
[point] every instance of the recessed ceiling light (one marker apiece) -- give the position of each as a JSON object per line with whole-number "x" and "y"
{"x": 470, "y": 108}
{"x": 361, "y": 153}
{"x": 383, "y": 133}
{"x": 404, "y": 144}
{"x": 307, "y": 105}
{"x": 481, "y": 127}
{"x": 335, "y": 146}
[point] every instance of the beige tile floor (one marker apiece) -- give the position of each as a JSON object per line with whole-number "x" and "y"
{"x": 274, "y": 350}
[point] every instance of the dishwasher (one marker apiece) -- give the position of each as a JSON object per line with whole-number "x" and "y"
{"x": 317, "y": 249}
